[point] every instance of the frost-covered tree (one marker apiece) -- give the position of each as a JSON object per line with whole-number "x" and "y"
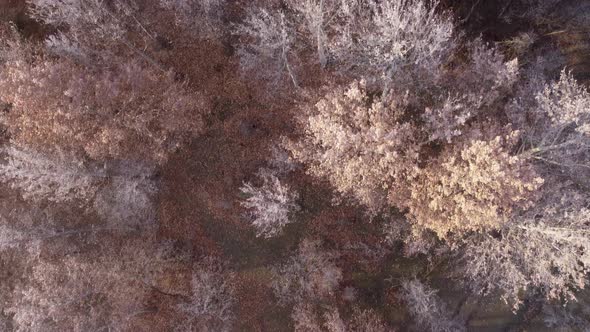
{"x": 360, "y": 145}
{"x": 308, "y": 318}
{"x": 555, "y": 120}
{"x": 267, "y": 45}
{"x": 124, "y": 112}
{"x": 209, "y": 307}
{"x": 310, "y": 274}
{"x": 82, "y": 18}
{"x": 475, "y": 188}
{"x": 373, "y": 39}
{"x": 56, "y": 179}
{"x": 428, "y": 310}
{"x": 317, "y": 18}
{"x": 122, "y": 195}
{"x": 372, "y": 147}
{"x": 94, "y": 28}
{"x": 385, "y": 39}
{"x": 566, "y": 102}
{"x": 127, "y": 198}
{"x": 269, "y": 205}
{"x": 88, "y": 291}
{"x": 201, "y": 16}
{"x": 547, "y": 251}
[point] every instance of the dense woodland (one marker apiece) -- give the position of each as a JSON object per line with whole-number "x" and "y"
{"x": 294, "y": 165}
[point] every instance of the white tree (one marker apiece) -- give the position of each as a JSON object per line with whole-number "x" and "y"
{"x": 381, "y": 40}
{"x": 307, "y": 318}
{"x": 566, "y": 102}
{"x": 317, "y": 17}
{"x": 267, "y": 45}
{"x": 392, "y": 38}
{"x": 547, "y": 251}
{"x": 310, "y": 274}
{"x": 83, "y": 18}
{"x": 269, "y": 205}
{"x": 209, "y": 307}
{"x": 429, "y": 312}
{"x": 201, "y": 16}
{"x": 127, "y": 198}
{"x": 87, "y": 291}
{"x": 555, "y": 120}
{"x": 57, "y": 179}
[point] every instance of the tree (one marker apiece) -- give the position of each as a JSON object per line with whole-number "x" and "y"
{"x": 387, "y": 39}
{"x": 555, "y": 121}
{"x": 377, "y": 40}
{"x": 308, "y": 318}
{"x": 317, "y": 17}
{"x": 476, "y": 188}
{"x": 127, "y": 198}
{"x": 547, "y": 251}
{"x": 122, "y": 197}
{"x": 58, "y": 179}
{"x": 106, "y": 31}
{"x": 122, "y": 112}
{"x": 87, "y": 291}
{"x": 201, "y": 16}
{"x": 267, "y": 45}
{"x": 373, "y": 148}
{"x": 429, "y": 312}
{"x": 210, "y": 303}
{"x": 270, "y": 204}
{"x": 310, "y": 274}
{"x": 360, "y": 145}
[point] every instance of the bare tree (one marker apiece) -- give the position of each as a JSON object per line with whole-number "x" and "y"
{"x": 201, "y": 16}
{"x": 270, "y": 204}
{"x": 58, "y": 179}
{"x": 393, "y": 38}
{"x": 318, "y": 17}
{"x": 428, "y": 310}
{"x": 210, "y": 303}
{"x": 268, "y": 41}
{"x": 310, "y": 274}
{"x": 100, "y": 290}
{"x": 547, "y": 251}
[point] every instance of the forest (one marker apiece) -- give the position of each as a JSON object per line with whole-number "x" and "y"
{"x": 294, "y": 165}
